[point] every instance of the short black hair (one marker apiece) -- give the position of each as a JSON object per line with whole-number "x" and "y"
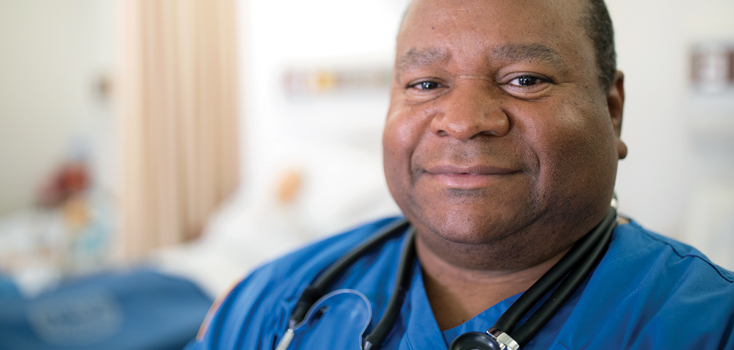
{"x": 598, "y": 25}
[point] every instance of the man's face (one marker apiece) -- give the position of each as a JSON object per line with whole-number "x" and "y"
{"x": 497, "y": 122}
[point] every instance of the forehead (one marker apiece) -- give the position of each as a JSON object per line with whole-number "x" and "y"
{"x": 446, "y": 29}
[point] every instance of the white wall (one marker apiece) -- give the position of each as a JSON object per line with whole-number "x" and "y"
{"x": 51, "y": 52}
{"x": 655, "y": 184}
{"x": 674, "y": 163}
{"x": 668, "y": 158}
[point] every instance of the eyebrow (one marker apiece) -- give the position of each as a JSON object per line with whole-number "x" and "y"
{"x": 416, "y": 58}
{"x": 527, "y": 52}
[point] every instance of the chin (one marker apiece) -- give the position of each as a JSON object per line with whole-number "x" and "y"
{"x": 466, "y": 225}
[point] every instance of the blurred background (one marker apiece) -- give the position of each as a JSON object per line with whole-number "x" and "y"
{"x": 194, "y": 140}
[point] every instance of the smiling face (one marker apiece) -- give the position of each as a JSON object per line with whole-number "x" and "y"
{"x": 499, "y": 130}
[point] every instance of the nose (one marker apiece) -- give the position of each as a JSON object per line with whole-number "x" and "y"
{"x": 468, "y": 111}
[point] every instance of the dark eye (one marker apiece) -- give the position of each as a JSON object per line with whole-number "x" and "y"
{"x": 426, "y": 85}
{"x": 525, "y": 80}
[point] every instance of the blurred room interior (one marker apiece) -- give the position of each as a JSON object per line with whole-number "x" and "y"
{"x": 197, "y": 139}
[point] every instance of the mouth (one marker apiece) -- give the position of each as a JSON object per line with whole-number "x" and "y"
{"x": 468, "y": 177}
{"x": 469, "y": 170}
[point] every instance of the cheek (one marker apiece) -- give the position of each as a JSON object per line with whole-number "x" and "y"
{"x": 575, "y": 148}
{"x": 398, "y": 142}
{"x": 404, "y": 127}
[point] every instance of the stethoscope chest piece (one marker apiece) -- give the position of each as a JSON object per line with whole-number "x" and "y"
{"x": 493, "y": 339}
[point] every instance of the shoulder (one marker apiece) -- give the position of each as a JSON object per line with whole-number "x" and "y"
{"x": 258, "y": 305}
{"x": 651, "y": 291}
{"x": 291, "y": 273}
{"x": 633, "y": 243}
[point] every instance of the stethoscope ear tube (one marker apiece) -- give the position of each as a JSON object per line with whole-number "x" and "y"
{"x": 575, "y": 266}
{"x": 575, "y": 278}
{"x": 579, "y": 251}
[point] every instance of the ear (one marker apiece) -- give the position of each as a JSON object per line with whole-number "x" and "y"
{"x": 615, "y": 103}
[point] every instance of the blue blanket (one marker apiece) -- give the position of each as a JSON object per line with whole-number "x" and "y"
{"x": 131, "y": 310}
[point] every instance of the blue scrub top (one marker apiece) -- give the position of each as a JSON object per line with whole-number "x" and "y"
{"x": 649, "y": 292}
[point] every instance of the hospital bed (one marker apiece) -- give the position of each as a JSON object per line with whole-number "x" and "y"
{"x": 161, "y": 305}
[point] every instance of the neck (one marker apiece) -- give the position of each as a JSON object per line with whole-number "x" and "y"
{"x": 457, "y": 293}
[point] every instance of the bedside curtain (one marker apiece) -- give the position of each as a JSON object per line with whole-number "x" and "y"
{"x": 177, "y": 107}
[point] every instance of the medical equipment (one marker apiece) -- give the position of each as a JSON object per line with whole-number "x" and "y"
{"x": 568, "y": 273}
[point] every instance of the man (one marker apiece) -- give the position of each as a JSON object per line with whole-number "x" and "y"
{"x": 501, "y": 148}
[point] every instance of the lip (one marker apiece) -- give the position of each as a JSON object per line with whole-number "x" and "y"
{"x": 468, "y": 170}
{"x": 468, "y": 177}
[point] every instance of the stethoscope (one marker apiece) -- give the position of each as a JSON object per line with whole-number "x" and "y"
{"x": 568, "y": 273}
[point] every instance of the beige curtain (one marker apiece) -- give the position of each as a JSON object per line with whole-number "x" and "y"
{"x": 177, "y": 104}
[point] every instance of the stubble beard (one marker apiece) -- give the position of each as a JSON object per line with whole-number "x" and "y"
{"x": 487, "y": 243}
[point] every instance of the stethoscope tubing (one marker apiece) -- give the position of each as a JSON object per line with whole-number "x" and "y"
{"x": 320, "y": 286}
{"x": 575, "y": 266}
{"x": 581, "y": 262}
{"x": 374, "y": 340}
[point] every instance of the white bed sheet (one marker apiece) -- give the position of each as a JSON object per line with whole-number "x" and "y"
{"x": 342, "y": 188}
